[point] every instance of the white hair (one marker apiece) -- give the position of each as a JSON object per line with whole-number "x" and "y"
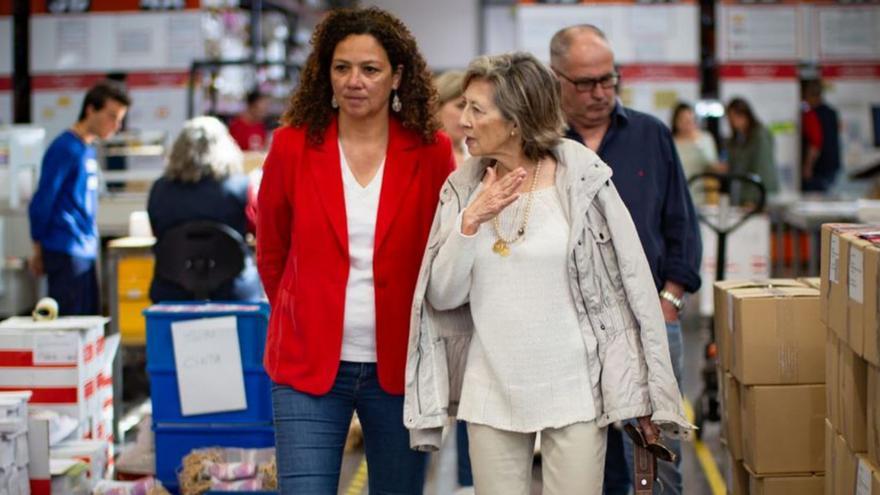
{"x": 203, "y": 149}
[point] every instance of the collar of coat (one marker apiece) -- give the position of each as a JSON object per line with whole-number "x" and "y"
{"x": 578, "y": 169}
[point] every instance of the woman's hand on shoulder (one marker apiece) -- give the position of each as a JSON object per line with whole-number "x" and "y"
{"x": 495, "y": 195}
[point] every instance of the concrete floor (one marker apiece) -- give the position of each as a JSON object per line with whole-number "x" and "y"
{"x": 442, "y": 469}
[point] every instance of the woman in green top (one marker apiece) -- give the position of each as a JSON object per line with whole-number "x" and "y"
{"x": 750, "y": 149}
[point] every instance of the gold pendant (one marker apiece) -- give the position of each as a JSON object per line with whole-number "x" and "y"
{"x": 500, "y": 248}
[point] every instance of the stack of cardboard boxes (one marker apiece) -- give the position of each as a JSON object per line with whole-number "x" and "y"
{"x": 772, "y": 383}
{"x": 850, "y": 310}
{"x": 65, "y": 364}
{"x": 14, "y": 457}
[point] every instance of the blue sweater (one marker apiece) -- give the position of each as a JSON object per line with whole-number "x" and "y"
{"x": 648, "y": 175}
{"x": 62, "y": 211}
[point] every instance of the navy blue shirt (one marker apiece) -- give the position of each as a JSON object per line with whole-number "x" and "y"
{"x": 172, "y": 203}
{"x": 63, "y": 208}
{"x": 648, "y": 176}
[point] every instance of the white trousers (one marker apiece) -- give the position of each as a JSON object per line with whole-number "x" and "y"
{"x": 572, "y": 460}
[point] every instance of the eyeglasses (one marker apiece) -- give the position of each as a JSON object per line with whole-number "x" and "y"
{"x": 659, "y": 450}
{"x": 587, "y": 84}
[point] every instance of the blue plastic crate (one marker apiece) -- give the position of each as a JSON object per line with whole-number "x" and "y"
{"x": 174, "y": 442}
{"x": 252, "y": 319}
{"x": 165, "y": 397}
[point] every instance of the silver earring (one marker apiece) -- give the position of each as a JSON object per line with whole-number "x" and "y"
{"x": 333, "y": 102}
{"x": 395, "y": 103}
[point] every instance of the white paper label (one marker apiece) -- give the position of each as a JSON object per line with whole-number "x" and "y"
{"x": 856, "y": 282}
{"x": 834, "y": 259}
{"x": 863, "y": 479}
{"x": 56, "y": 348}
{"x": 208, "y": 361}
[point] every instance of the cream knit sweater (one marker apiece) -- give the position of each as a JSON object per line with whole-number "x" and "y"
{"x": 527, "y": 363}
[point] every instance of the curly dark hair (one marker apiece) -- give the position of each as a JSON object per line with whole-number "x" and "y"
{"x": 310, "y": 103}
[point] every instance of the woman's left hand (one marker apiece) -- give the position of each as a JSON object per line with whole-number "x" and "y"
{"x": 649, "y": 429}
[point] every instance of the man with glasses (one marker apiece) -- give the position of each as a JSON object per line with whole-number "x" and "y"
{"x": 648, "y": 175}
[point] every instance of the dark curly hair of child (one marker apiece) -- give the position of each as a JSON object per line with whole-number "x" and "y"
{"x": 310, "y": 103}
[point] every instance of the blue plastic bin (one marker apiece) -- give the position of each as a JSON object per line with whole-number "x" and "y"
{"x": 252, "y": 319}
{"x": 174, "y": 442}
{"x": 165, "y": 397}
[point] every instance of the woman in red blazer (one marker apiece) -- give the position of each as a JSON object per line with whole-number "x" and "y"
{"x": 347, "y": 199}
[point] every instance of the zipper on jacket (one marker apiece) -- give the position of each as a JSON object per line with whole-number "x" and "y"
{"x": 418, "y": 388}
{"x": 577, "y": 275}
{"x": 580, "y": 294}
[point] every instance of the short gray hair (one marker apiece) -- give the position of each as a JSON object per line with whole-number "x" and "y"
{"x": 526, "y": 93}
{"x": 203, "y": 149}
{"x": 561, "y": 41}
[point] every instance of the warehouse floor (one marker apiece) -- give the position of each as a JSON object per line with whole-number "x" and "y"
{"x": 703, "y": 463}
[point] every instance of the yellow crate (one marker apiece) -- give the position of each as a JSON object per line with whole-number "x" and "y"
{"x": 132, "y": 324}
{"x": 135, "y": 274}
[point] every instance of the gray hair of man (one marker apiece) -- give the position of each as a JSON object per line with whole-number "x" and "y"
{"x": 561, "y": 41}
{"x": 203, "y": 149}
{"x": 527, "y": 94}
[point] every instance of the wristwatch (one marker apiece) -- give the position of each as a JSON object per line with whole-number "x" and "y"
{"x": 678, "y": 302}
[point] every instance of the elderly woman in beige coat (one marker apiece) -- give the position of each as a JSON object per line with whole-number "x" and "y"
{"x": 535, "y": 309}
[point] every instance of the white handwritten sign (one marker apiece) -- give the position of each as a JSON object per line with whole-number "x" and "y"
{"x": 208, "y": 361}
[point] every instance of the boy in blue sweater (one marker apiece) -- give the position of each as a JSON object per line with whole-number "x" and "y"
{"x": 63, "y": 209}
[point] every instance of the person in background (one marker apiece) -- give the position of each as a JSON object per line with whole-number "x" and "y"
{"x": 648, "y": 174}
{"x": 249, "y": 128}
{"x": 345, "y": 206}
{"x": 203, "y": 180}
{"x": 534, "y": 259}
{"x": 820, "y": 140}
{"x": 695, "y": 147}
{"x": 750, "y": 150}
{"x": 63, "y": 209}
{"x": 450, "y": 104}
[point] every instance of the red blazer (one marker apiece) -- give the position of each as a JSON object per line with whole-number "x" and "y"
{"x": 302, "y": 251}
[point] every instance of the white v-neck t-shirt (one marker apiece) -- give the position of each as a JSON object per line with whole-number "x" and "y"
{"x": 359, "y": 322}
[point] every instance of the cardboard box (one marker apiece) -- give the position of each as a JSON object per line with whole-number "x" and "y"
{"x": 731, "y": 415}
{"x": 810, "y": 484}
{"x": 830, "y": 458}
{"x": 777, "y": 336}
{"x": 723, "y": 317}
{"x": 814, "y": 282}
{"x": 853, "y": 399}
{"x": 737, "y": 477}
{"x": 783, "y": 428}
{"x": 832, "y": 269}
{"x": 832, "y": 379}
{"x": 873, "y": 415}
{"x": 844, "y": 467}
{"x": 862, "y": 277}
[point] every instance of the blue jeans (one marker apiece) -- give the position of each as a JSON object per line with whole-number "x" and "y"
{"x": 617, "y": 473}
{"x": 310, "y": 434}
{"x": 465, "y": 476}
{"x": 73, "y": 283}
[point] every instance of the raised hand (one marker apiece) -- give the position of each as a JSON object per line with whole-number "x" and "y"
{"x": 496, "y": 195}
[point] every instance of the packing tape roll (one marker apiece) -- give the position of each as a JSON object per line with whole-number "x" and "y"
{"x": 46, "y": 309}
